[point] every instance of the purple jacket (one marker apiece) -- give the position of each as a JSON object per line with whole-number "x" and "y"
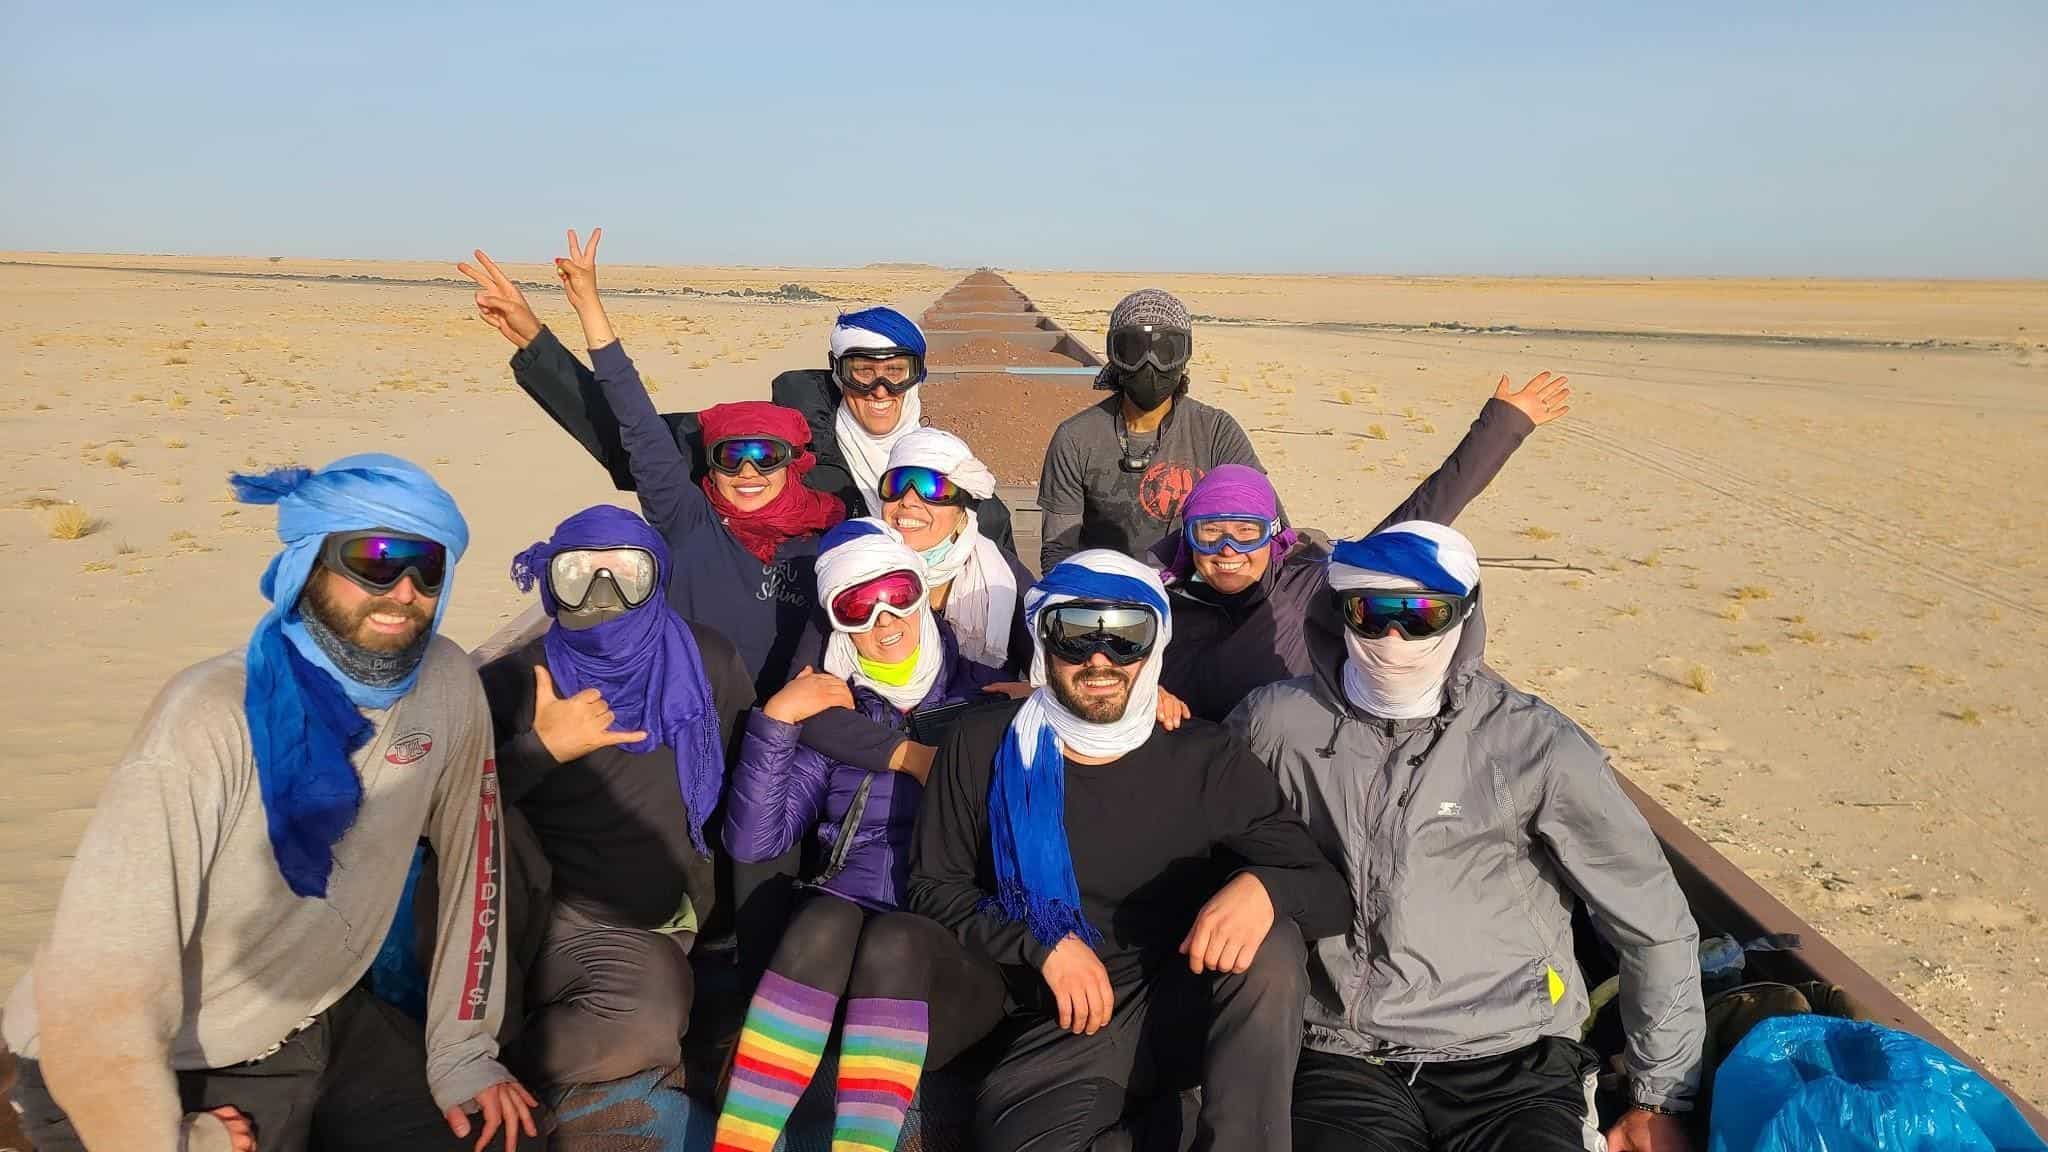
{"x": 782, "y": 790}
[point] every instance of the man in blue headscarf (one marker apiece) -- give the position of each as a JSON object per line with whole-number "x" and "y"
{"x": 613, "y": 730}
{"x": 203, "y": 985}
{"x": 1075, "y": 842}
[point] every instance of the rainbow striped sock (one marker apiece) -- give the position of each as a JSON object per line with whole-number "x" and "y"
{"x": 881, "y": 1056}
{"x": 780, "y": 1046}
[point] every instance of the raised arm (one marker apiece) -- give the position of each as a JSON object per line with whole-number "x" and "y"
{"x": 945, "y": 858}
{"x": 1504, "y": 422}
{"x": 109, "y": 984}
{"x": 556, "y": 380}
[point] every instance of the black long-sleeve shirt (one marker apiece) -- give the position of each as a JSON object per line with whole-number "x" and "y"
{"x": 613, "y": 824}
{"x": 1152, "y": 835}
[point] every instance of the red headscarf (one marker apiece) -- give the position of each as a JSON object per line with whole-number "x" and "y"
{"x": 797, "y": 510}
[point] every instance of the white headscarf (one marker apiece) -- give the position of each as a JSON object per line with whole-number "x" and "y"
{"x": 860, "y": 550}
{"x": 1393, "y": 677}
{"x": 984, "y": 596}
{"x": 1096, "y": 574}
{"x": 867, "y": 455}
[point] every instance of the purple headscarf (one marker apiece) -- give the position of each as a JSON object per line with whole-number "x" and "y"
{"x": 1233, "y": 490}
{"x": 645, "y": 663}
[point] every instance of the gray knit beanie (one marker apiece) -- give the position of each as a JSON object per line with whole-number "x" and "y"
{"x": 1154, "y": 307}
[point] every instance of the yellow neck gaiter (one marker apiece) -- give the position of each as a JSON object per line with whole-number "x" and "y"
{"x": 894, "y": 675}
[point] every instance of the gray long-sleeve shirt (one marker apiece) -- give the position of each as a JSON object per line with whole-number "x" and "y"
{"x": 178, "y": 946}
{"x": 1091, "y": 500}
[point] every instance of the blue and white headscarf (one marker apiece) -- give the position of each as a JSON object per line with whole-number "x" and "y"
{"x": 867, "y": 455}
{"x": 860, "y": 550}
{"x": 1393, "y": 677}
{"x": 1027, "y": 798}
{"x": 303, "y": 711}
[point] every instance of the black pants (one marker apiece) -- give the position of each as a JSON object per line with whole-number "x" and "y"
{"x": 1236, "y": 1035}
{"x": 356, "y": 1079}
{"x": 1539, "y": 1098}
{"x": 838, "y": 946}
{"x": 605, "y": 1003}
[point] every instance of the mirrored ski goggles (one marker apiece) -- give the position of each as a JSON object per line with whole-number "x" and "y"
{"x": 1416, "y": 615}
{"x": 377, "y": 560}
{"x": 896, "y": 369}
{"x": 1076, "y": 630}
{"x": 573, "y": 572}
{"x": 765, "y": 453}
{"x": 931, "y": 485}
{"x": 1212, "y": 534}
{"x": 857, "y": 608}
{"x": 1167, "y": 348}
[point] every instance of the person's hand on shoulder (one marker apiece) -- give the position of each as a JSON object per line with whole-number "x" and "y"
{"x": 574, "y": 728}
{"x": 1172, "y": 710}
{"x": 1229, "y": 929}
{"x": 808, "y": 693}
{"x": 1080, "y": 986}
{"x": 1543, "y": 399}
{"x": 500, "y": 303}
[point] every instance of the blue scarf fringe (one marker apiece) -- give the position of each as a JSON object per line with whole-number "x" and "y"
{"x": 304, "y": 730}
{"x": 1027, "y": 810}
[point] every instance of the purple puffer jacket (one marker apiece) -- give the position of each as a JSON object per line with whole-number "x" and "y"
{"x": 782, "y": 790}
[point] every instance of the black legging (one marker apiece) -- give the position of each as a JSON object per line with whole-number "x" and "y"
{"x": 840, "y": 947}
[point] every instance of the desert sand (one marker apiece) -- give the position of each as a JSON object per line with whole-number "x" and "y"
{"x": 1789, "y": 544}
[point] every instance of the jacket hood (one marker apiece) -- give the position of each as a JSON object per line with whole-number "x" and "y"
{"x": 1327, "y": 654}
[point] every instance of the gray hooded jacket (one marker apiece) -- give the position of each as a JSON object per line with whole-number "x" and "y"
{"x": 1466, "y": 838}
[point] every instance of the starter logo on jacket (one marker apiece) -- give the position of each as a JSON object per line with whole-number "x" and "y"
{"x": 1165, "y": 486}
{"x": 408, "y": 749}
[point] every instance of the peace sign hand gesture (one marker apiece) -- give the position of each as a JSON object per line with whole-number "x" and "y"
{"x": 500, "y": 303}
{"x": 579, "y": 271}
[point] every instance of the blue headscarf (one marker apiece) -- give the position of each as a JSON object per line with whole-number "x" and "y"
{"x": 899, "y": 330}
{"x": 1027, "y": 796}
{"x": 303, "y": 712}
{"x": 644, "y": 663}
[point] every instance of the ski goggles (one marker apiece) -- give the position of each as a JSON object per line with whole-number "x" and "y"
{"x": 1212, "y": 534}
{"x": 931, "y": 485}
{"x": 897, "y": 370}
{"x": 1075, "y": 630}
{"x": 857, "y": 608}
{"x": 765, "y": 453}
{"x": 377, "y": 560}
{"x": 1372, "y": 613}
{"x": 1169, "y": 349}
{"x": 574, "y": 571}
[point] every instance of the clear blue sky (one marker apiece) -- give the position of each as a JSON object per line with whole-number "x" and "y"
{"x": 1867, "y": 138}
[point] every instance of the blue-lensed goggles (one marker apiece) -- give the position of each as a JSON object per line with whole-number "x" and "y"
{"x": 1210, "y": 535}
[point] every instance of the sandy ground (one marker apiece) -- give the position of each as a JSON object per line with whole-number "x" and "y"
{"x": 1800, "y": 524}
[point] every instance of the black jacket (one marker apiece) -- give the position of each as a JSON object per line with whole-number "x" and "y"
{"x": 565, "y": 390}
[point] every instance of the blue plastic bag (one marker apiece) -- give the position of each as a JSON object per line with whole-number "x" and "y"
{"x": 1824, "y": 1084}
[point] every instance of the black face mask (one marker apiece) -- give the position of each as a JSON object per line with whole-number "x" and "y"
{"x": 600, "y": 604}
{"x": 1147, "y": 386}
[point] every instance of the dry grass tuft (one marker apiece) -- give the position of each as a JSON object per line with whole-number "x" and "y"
{"x": 1537, "y": 532}
{"x": 1652, "y": 559}
{"x": 1757, "y": 649}
{"x": 174, "y": 361}
{"x": 178, "y": 400}
{"x": 1426, "y": 428}
{"x": 1866, "y": 635}
{"x": 97, "y": 566}
{"x": 1629, "y": 610}
{"x": 124, "y": 548}
{"x": 1732, "y": 610}
{"x": 116, "y": 458}
{"x": 1699, "y": 678}
{"x": 1751, "y": 592}
{"x": 174, "y": 443}
{"x": 71, "y": 522}
{"x": 1968, "y": 716}
{"x": 1375, "y": 432}
{"x": 699, "y": 365}
{"x": 1805, "y": 635}
{"x": 1344, "y": 396}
